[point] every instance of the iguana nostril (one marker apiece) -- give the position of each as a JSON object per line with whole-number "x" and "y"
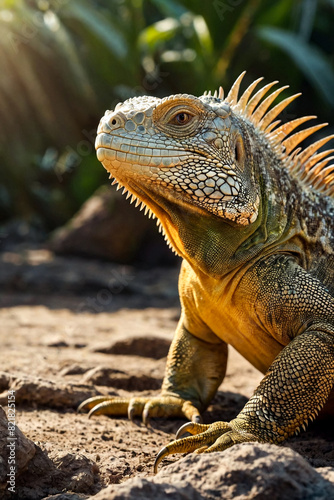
{"x": 114, "y": 122}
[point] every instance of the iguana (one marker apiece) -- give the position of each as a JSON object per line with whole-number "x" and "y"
{"x": 252, "y": 216}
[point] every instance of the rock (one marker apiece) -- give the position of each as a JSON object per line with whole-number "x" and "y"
{"x": 31, "y": 464}
{"x": 108, "y": 226}
{"x": 148, "y": 347}
{"x": 145, "y": 489}
{"x": 5, "y": 380}
{"x": 327, "y": 473}
{"x": 41, "y": 271}
{"x": 66, "y": 496}
{"x": 80, "y": 471}
{"x": 35, "y": 475}
{"x": 56, "y": 343}
{"x": 45, "y": 477}
{"x": 48, "y": 393}
{"x": 121, "y": 380}
{"x": 15, "y": 449}
{"x": 18, "y": 232}
{"x": 74, "y": 369}
{"x": 245, "y": 471}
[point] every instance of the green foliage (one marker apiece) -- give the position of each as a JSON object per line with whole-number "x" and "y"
{"x": 63, "y": 62}
{"x": 311, "y": 61}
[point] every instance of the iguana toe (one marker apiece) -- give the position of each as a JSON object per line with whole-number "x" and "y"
{"x": 90, "y": 403}
{"x": 205, "y": 439}
{"x": 135, "y": 407}
{"x": 111, "y": 406}
{"x": 191, "y": 427}
{"x": 228, "y": 440}
{"x": 114, "y": 406}
{"x": 147, "y": 407}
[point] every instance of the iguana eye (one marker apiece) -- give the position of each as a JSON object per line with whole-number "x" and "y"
{"x": 181, "y": 118}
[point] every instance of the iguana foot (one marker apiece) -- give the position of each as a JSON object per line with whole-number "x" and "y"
{"x": 147, "y": 407}
{"x": 205, "y": 439}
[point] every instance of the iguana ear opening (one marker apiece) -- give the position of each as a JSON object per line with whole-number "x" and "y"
{"x": 237, "y": 167}
{"x": 239, "y": 151}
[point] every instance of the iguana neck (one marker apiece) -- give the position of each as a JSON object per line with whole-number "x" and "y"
{"x": 214, "y": 246}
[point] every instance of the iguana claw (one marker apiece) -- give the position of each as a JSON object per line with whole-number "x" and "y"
{"x": 160, "y": 456}
{"x": 205, "y": 439}
{"x": 90, "y": 403}
{"x": 105, "y": 405}
{"x": 131, "y": 413}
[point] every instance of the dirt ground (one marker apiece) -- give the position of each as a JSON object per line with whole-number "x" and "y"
{"x": 71, "y": 328}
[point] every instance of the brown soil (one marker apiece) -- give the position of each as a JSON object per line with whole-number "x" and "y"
{"x": 67, "y": 335}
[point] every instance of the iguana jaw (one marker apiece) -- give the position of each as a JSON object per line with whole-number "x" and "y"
{"x": 186, "y": 227}
{"x": 165, "y": 204}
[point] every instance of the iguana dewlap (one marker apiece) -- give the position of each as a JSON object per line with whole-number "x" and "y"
{"x": 252, "y": 215}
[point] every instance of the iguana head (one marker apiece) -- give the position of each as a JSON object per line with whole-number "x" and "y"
{"x": 194, "y": 161}
{"x": 187, "y": 150}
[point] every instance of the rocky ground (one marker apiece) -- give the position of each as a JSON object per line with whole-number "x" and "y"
{"x": 71, "y": 328}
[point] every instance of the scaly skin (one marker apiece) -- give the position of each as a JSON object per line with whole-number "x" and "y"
{"x": 254, "y": 222}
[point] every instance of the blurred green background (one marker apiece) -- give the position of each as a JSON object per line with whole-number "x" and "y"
{"x": 63, "y": 62}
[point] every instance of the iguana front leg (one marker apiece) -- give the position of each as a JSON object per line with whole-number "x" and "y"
{"x": 300, "y": 379}
{"x": 194, "y": 371}
{"x": 294, "y": 390}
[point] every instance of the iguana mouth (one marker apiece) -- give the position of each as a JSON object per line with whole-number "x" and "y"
{"x": 158, "y": 195}
{"x": 195, "y": 182}
{"x": 163, "y": 202}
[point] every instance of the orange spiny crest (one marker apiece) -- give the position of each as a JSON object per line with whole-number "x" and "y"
{"x": 307, "y": 164}
{"x": 291, "y": 142}
{"x": 315, "y": 159}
